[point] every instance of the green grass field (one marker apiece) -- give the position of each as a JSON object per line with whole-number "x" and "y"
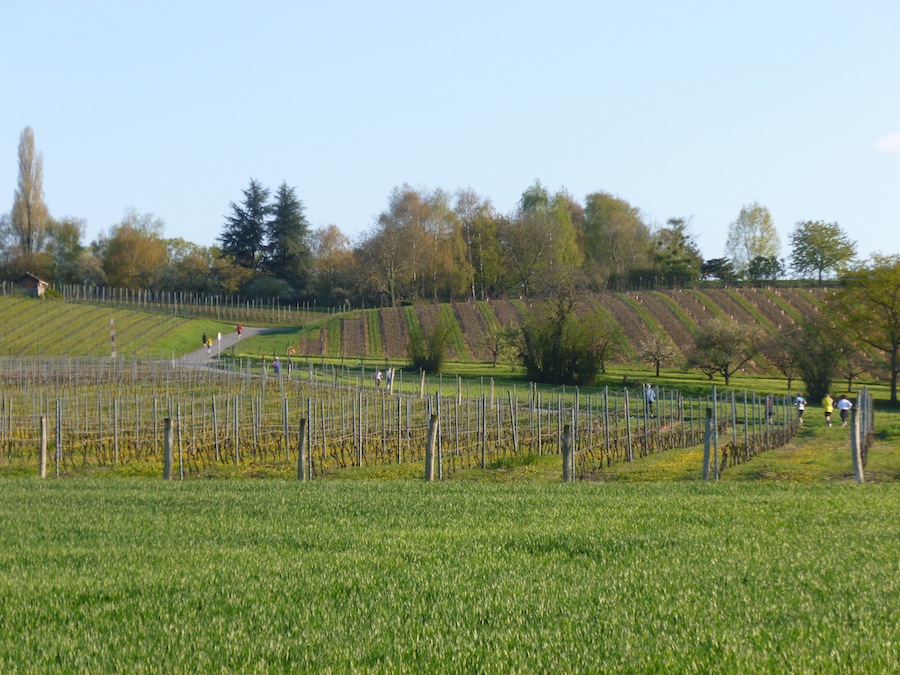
{"x": 31, "y": 327}
{"x": 144, "y": 576}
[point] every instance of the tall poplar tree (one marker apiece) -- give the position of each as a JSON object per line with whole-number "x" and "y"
{"x": 29, "y": 212}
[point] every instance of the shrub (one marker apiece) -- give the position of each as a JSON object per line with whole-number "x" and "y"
{"x": 428, "y": 351}
{"x": 559, "y": 347}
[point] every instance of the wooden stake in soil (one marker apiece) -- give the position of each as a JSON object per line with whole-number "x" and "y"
{"x": 567, "y": 454}
{"x": 301, "y": 452}
{"x": 856, "y": 454}
{"x": 430, "y": 447}
{"x": 43, "y": 459}
{"x": 167, "y": 448}
{"x": 707, "y": 438}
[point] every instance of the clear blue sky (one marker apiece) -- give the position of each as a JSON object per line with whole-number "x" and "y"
{"x": 685, "y": 109}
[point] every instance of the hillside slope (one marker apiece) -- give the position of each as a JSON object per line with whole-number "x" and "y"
{"x": 678, "y": 314}
{"x": 49, "y": 327}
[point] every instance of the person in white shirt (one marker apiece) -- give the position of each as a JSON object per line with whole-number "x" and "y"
{"x": 843, "y": 405}
{"x": 800, "y": 402}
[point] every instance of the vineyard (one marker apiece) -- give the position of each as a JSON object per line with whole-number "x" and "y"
{"x": 234, "y": 412}
{"x": 677, "y": 314}
{"x": 100, "y": 414}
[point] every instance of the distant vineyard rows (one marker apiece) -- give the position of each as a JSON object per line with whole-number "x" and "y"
{"x": 675, "y": 313}
{"x": 32, "y": 327}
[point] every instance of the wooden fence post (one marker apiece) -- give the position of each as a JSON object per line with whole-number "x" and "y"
{"x": 43, "y": 458}
{"x": 167, "y": 448}
{"x": 707, "y": 438}
{"x": 301, "y": 453}
{"x": 855, "y": 450}
{"x": 567, "y": 453}
{"x": 429, "y": 448}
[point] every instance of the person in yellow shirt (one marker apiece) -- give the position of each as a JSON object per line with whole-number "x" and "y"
{"x": 828, "y": 407}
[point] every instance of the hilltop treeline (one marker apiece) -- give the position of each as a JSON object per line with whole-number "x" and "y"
{"x": 426, "y": 244}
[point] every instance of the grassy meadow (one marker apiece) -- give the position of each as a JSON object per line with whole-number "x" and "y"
{"x": 261, "y": 576}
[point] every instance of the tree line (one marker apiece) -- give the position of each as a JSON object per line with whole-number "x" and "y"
{"x": 425, "y": 245}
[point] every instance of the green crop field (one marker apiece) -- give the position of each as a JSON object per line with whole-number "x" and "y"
{"x": 145, "y": 576}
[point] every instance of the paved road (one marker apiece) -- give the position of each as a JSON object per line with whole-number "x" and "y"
{"x": 200, "y": 356}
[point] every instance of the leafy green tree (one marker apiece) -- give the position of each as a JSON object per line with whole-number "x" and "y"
{"x": 133, "y": 252}
{"x": 815, "y": 346}
{"x": 190, "y": 268}
{"x": 243, "y": 236}
{"x": 478, "y": 223}
{"x": 819, "y": 248}
{"x": 675, "y": 253}
{"x": 88, "y": 270}
{"x": 445, "y": 267}
{"x": 538, "y": 240}
{"x": 867, "y": 305}
{"x": 718, "y": 268}
{"x": 763, "y": 268}
{"x": 64, "y": 246}
{"x": 265, "y": 287}
{"x": 753, "y": 234}
{"x": 616, "y": 240}
{"x": 287, "y": 251}
{"x": 333, "y": 262}
{"x": 390, "y": 253}
{"x": 724, "y": 346}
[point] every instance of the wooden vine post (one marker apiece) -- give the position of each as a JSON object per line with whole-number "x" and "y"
{"x": 855, "y": 450}
{"x": 430, "y": 448}
{"x": 167, "y": 448}
{"x": 707, "y": 438}
{"x": 43, "y": 458}
{"x": 567, "y": 460}
{"x": 301, "y": 452}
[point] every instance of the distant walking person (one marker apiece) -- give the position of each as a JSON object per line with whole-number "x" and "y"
{"x": 276, "y": 366}
{"x": 205, "y": 338}
{"x": 240, "y": 329}
{"x": 844, "y": 404}
{"x": 378, "y": 377}
{"x": 770, "y": 408}
{"x": 209, "y": 346}
{"x": 800, "y": 402}
{"x": 649, "y": 398}
{"x": 828, "y": 407}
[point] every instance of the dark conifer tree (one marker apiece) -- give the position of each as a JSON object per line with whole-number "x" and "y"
{"x": 288, "y": 255}
{"x": 243, "y": 237}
